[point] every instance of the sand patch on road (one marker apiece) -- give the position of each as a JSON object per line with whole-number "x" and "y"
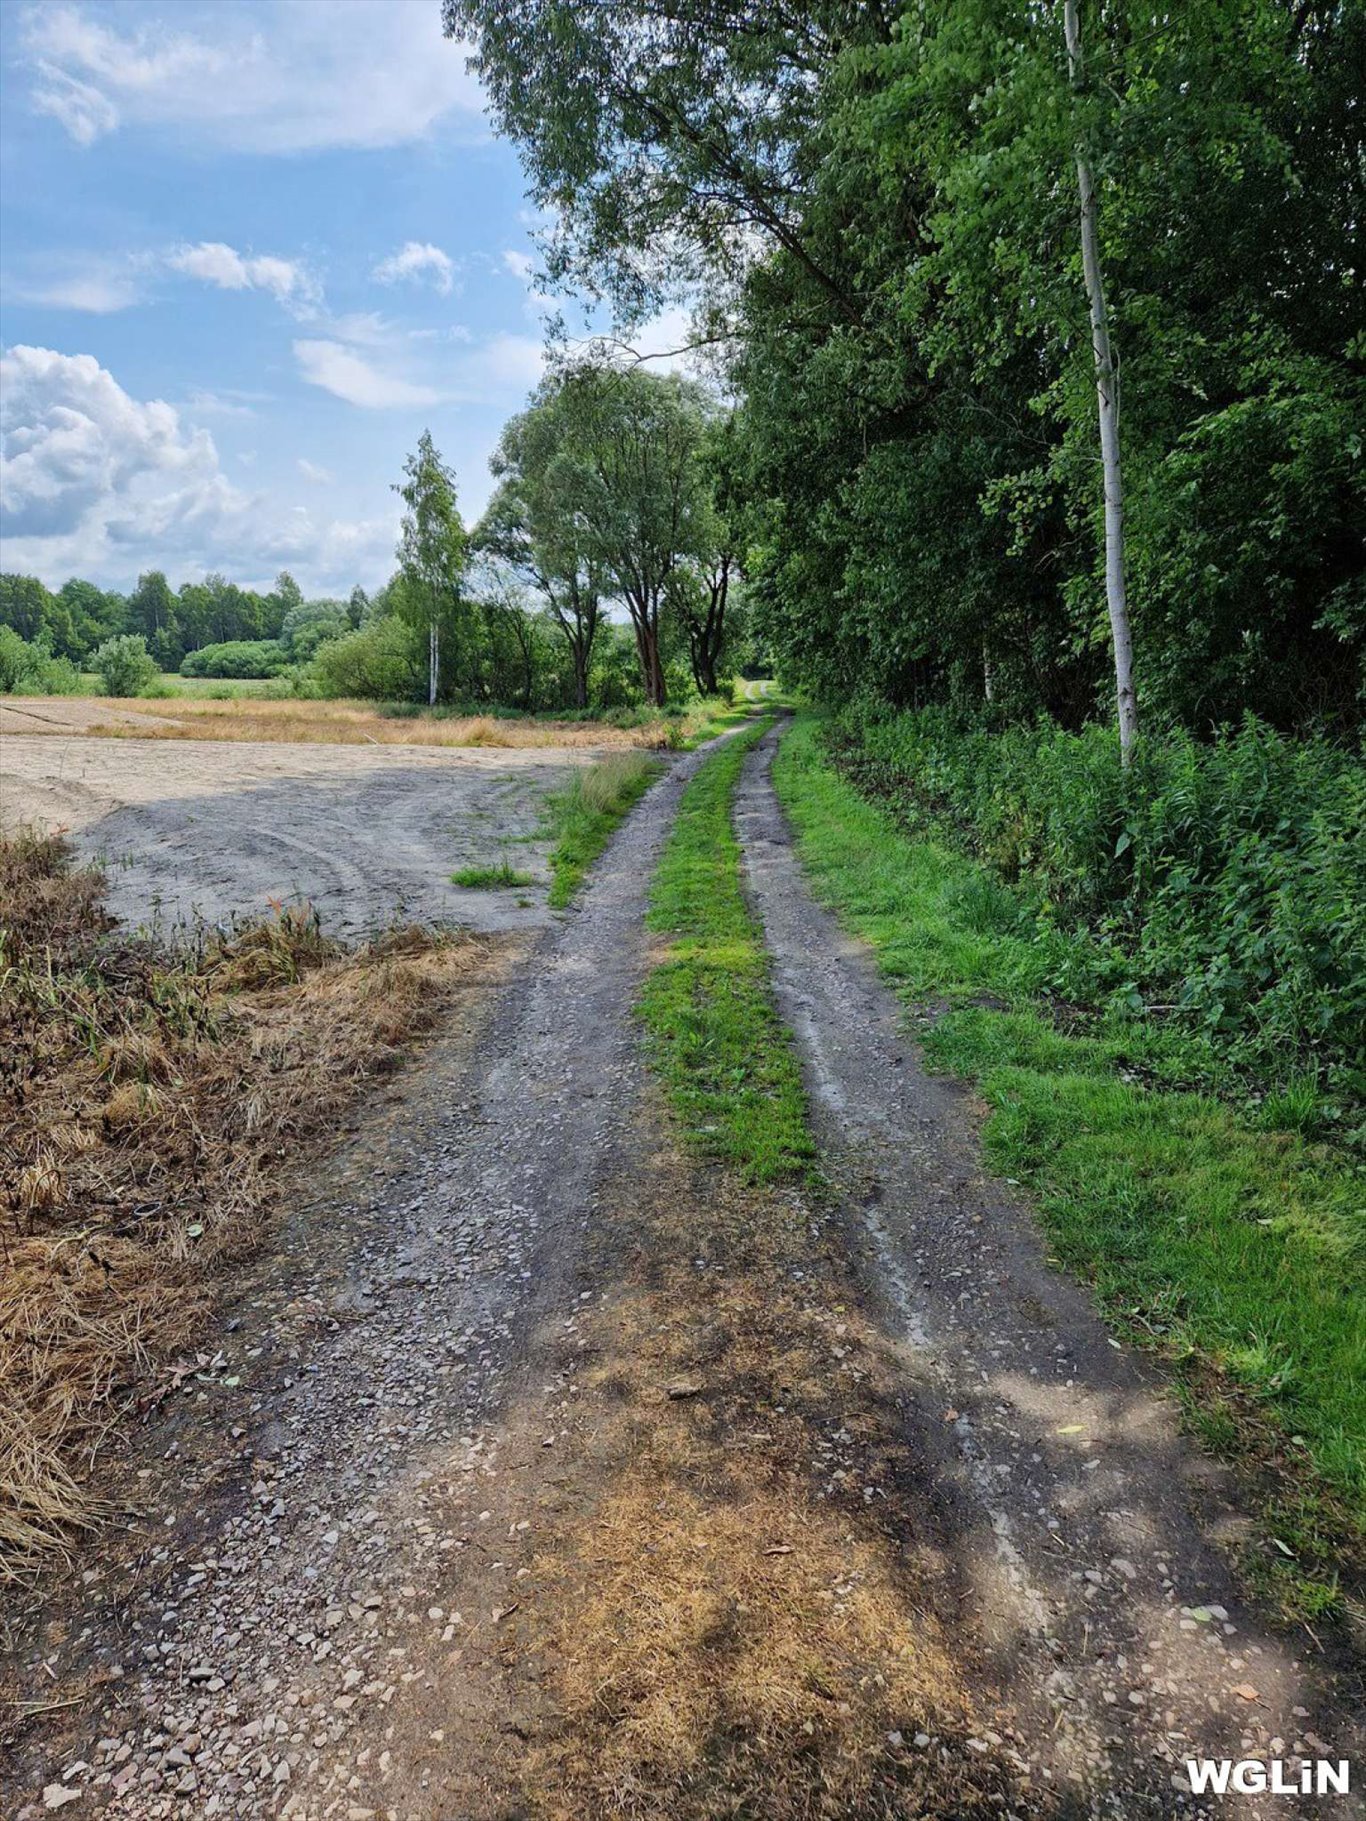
{"x": 213, "y": 831}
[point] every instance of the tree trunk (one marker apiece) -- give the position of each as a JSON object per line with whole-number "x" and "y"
{"x": 1107, "y": 398}
{"x": 580, "y": 673}
{"x": 645, "y": 624}
{"x": 433, "y": 663}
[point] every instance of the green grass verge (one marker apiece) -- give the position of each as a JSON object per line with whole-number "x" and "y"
{"x": 491, "y": 878}
{"x": 705, "y": 720}
{"x": 580, "y": 819}
{"x": 1236, "y": 1251}
{"x": 714, "y": 1035}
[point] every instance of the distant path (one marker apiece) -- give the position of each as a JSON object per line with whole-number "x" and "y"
{"x": 1094, "y": 1579}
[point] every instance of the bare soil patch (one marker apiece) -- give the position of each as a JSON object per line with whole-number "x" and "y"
{"x": 208, "y": 831}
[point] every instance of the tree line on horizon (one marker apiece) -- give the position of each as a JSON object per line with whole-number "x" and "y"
{"x": 614, "y": 491}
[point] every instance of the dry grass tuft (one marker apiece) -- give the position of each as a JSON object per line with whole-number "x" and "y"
{"x": 149, "y": 1100}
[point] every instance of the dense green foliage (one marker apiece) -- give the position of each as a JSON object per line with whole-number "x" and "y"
{"x": 79, "y": 617}
{"x": 28, "y": 668}
{"x": 606, "y": 488}
{"x": 881, "y": 209}
{"x": 1220, "y": 886}
{"x": 238, "y": 658}
{"x": 124, "y": 665}
{"x": 1221, "y": 1240}
{"x": 713, "y": 1030}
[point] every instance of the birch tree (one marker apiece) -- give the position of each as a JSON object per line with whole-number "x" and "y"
{"x": 1107, "y": 403}
{"x": 431, "y": 549}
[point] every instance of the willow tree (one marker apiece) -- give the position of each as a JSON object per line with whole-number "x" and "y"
{"x": 604, "y": 490}
{"x": 535, "y": 526}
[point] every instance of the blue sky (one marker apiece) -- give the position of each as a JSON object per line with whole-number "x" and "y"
{"x": 250, "y": 249}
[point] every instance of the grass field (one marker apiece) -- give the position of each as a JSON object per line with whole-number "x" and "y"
{"x": 1235, "y": 1252}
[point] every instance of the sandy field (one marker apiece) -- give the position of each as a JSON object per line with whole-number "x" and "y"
{"x": 210, "y": 830}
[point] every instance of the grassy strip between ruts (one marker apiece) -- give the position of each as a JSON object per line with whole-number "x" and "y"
{"x": 715, "y": 1037}
{"x": 581, "y": 817}
{"x": 1235, "y": 1252}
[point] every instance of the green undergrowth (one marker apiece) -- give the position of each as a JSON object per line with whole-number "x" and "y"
{"x": 709, "y": 718}
{"x": 1235, "y": 1249}
{"x": 581, "y": 818}
{"x": 491, "y": 878}
{"x": 714, "y": 1035}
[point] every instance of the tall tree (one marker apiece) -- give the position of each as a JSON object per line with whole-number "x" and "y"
{"x": 152, "y": 613}
{"x": 431, "y": 550}
{"x": 26, "y": 606}
{"x": 535, "y": 524}
{"x": 631, "y": 453}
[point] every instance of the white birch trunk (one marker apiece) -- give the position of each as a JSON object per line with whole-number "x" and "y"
{"x": 1107, "y": 399}
{"x": 433, "y": 663}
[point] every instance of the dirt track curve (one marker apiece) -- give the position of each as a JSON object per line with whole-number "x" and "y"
{"x": 363, "y": 1554}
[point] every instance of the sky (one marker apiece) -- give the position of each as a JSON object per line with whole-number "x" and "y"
{"x": 249, "y": 250}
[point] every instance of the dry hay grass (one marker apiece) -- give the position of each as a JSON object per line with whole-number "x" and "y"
{"x": 149, "y": 1102}
{"x": 355, "y": 724}
{"x": 732, "y": 1626}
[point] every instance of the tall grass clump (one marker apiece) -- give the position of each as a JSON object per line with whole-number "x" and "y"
{"x": 1217, "y": 889}
{"x": 583, "y": 815}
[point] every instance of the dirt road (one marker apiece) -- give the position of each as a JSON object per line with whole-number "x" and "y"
{"x": 546, "y": 1472}
{"x": 217, "y": 830}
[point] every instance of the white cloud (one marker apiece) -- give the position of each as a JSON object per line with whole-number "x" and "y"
{"x": 662, "y": 341}
{"x": 259, "y": 76}
{"x": 74, "y": 439}
{"x": 347, "y": 375}
{"x": 100, "y": 290}
{"x": 95, "y": 482}
{"x": 523, "y": 268}
{"x": 509, "y": 361}
{"x": 215, "y": 263}
{"x": 417, "y": 259}
{"x": 221, "y": 404}
{"x": 312, "y": 472}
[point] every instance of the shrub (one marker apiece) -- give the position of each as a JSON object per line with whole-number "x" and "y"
{"x": 30, "y": 669}
{"x": 1220, "y": 887}
{"x": 124, "y": 665}
{"x": 382, "y": 661}
{"x": 237, "y": 658}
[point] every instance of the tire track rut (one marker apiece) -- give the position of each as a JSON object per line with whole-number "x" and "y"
{"x": 1099, "y": 1583}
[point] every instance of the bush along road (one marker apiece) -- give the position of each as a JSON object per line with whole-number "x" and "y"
{"x": 660, "y": 1411}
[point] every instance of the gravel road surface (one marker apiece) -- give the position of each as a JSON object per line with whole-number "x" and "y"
{"x": 306, "y": 1609}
